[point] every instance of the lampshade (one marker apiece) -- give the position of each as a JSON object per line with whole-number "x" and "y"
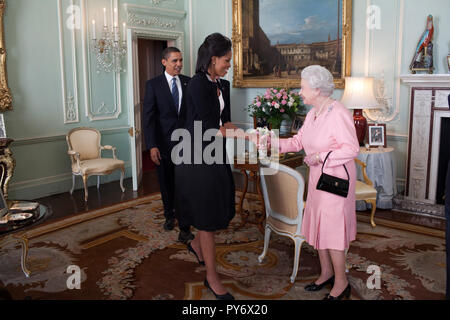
{"x": 358, "y": 93}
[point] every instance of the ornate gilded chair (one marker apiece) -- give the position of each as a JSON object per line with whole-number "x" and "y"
{"x": 85, "y": 154}
{"x": 283, "y": 190}
{"x": 365, "y": 191}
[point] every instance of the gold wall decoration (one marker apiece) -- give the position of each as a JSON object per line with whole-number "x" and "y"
{"x": 261, "y": 63}
{"x": 5, "y": 93}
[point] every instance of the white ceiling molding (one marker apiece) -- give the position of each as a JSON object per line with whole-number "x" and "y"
{"x": 159, "y": 2}
{"x": 149, "y": 17}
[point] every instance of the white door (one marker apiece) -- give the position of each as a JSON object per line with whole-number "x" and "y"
{"x": 134, "y": 109}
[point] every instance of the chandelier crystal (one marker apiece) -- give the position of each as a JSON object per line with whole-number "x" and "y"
{"x": 110, "y": 51}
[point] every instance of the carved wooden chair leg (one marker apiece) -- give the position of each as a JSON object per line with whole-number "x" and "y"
{"x": 122, "y": 173}
{"x": 85, "y": 188}
{"x": 73, "y": 184}
{"x": 373, "y": 202}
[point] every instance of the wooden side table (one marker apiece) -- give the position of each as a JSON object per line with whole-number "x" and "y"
{"x": 381, "y": 169}
{"x": 21, "y": 238}
{"x": 291, "y": 160}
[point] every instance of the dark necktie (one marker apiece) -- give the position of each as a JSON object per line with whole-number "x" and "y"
{"x": 175, "y": 93}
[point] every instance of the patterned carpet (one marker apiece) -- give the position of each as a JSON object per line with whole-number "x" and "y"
{"x": 124, "y": 253}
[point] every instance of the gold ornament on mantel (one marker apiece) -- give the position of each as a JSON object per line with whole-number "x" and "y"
{"x": 5, "y": 93}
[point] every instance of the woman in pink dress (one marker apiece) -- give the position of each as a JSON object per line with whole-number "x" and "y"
{"x": 329, "y": 220}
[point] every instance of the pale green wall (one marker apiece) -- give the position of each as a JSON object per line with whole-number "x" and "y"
{"x": 36, "y": 122}
{"x": 34, "y": 74}
{"x": 387, "y": 50}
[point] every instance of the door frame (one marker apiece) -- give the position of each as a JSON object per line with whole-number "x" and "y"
{"x": 173, "y": 38}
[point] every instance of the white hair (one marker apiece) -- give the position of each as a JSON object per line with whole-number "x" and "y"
{"x": 320, "y": 78}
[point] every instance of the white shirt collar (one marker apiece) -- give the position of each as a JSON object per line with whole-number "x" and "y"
{"x": 210, "y": 79}
{"x": 169, "y": 77}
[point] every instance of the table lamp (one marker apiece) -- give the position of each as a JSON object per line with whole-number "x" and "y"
{"x": 358, "y": 95}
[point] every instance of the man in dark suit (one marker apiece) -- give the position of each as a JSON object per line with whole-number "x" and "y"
{"x": 165, "y": 111}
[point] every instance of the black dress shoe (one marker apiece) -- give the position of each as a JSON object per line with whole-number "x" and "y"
{"x": 345, "y": 293}
{"x": 316, "y": 287}
{"x": 169, "y": 224}
{"x": 225, "y": 296}
{"x": 189, "y": 247}
{"x": 185, "y": 236}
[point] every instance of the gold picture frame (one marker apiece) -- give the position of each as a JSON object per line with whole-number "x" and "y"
{"x": 5, "y": 93}
{"x": 242, "y": 43}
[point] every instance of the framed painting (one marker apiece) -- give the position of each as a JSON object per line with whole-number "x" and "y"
{"x": 376, "y": 135}
{"x": 273, "y": 41}
{"x": 5, "y": 93}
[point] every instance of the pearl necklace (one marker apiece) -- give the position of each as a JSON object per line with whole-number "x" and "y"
{"x": 320, "y": 109}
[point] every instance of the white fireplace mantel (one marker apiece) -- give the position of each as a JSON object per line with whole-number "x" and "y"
{"x": 428, "y": 105}
{"x": 426, "y": 80}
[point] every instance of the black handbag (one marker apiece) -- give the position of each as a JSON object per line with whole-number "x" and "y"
{"x": 333, "y": 184}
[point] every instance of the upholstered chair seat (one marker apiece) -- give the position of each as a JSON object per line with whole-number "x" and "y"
{"x": 283, "y": 190}
{"x": 85, "y": 154}
{"x": 97, "y": 166}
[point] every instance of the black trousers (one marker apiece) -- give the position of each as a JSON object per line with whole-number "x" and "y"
{"x": 166, "y": 178}
{"x": 447, "y": 228}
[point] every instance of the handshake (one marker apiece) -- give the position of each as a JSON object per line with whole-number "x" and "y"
{"x": 264, "y": 139}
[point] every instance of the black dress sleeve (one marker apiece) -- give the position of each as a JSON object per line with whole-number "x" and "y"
{"x": 202, "y": 98}
{"x": 226, "y": 113}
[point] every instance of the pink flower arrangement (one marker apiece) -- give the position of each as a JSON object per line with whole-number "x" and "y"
{"x": 275, "y": 104}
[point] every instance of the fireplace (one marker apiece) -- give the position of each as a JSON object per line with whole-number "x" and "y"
{"x": 429, "y": 142}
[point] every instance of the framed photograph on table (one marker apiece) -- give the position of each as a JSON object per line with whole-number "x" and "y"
{"x": 297, "y": 123}
{"x": 376, "y": 135}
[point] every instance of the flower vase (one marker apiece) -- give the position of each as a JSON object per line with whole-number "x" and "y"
{"x": 275, "y": 123}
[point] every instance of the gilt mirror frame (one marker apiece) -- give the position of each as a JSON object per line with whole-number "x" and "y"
{"x": 5, "y": 93}
{"x": 271, "y": 79}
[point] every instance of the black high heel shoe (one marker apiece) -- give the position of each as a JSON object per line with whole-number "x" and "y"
{"x": 316, "y": 287}
{"x": 225, "y": 296}
{"x": 189, "y": 247}
{"x": 345, "y": 293}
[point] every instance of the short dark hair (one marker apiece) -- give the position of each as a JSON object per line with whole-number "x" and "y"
{"x": 215, "y": 45}
{"x": 167, "y": 51}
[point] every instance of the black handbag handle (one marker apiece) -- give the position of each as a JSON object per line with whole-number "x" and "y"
{"x": 343, "y": 165}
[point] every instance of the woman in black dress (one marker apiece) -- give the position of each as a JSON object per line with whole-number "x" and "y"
{"x": 205, "y": 194}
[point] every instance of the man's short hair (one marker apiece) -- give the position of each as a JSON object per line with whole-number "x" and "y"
{"x": 167, "y": 51}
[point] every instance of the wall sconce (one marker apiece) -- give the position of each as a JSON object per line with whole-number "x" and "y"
{"x": 359, "y": 95}
{"x": 109, "y": 50}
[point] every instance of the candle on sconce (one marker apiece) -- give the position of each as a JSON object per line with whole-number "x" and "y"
{"x": 116, "y": 17}
{"x": 104, "y": 17}
{"x": 93, "y": 30}
{"x": 124, "y": 32}
{"x": 116, "y": 32}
